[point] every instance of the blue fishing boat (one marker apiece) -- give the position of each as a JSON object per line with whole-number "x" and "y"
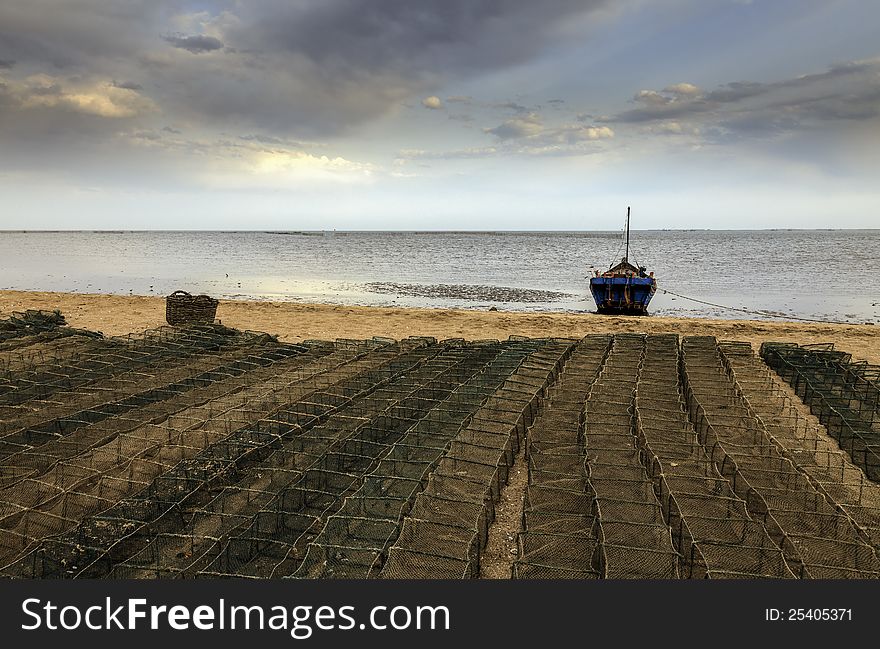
{"x": 623, "y": 289}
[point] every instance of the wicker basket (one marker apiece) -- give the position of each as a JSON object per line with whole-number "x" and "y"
{"x": 181, "y": 308}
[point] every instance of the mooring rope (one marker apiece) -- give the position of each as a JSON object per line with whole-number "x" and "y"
{"x": 766, "y": 314}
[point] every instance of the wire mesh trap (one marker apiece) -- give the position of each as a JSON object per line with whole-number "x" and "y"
{"x": 203, "y": 451}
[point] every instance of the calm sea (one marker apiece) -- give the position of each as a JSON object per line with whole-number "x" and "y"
{"x": 808, "y": 273}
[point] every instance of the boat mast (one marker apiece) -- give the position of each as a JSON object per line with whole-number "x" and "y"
{"x": 626, "y": 257}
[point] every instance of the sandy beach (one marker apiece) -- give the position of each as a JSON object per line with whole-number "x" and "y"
{"x": 118, "y": 315}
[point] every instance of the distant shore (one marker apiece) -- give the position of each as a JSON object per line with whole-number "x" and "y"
{"x": 118, "y": 314}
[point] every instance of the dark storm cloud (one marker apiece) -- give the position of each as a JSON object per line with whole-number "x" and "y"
{"x": 114, "y": 89}
{"x": 415, "y": 37}
{"x": 81, "y": 34}
{"x": 195, "y": 44}
{"x": 320, "y": 68}
{"x": 309, "y": 68}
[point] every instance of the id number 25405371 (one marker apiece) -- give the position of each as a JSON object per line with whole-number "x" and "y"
{"x": 808, "y": 614}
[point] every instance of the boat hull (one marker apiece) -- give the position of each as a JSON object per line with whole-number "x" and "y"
{"x": 623, "y": 295}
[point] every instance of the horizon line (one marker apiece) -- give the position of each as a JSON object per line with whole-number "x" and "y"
{"x": 393, "y": 231}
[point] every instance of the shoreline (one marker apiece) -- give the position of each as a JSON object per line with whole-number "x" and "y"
{"x": 291, "y": 321}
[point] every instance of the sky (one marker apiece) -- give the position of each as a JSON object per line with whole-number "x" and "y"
{"x": 439, "y": 114}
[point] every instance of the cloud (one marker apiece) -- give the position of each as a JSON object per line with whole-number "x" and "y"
{"x": 673, "y": 128}
{"x": 287, "y": 75}
{"x": 127, "y": 85}
{"x": 282, "y": 141}
{"x": 736, "y": 91}
{"x": 196, "y": 44}
{"x": 313, "y": 68}
{"x": 152, "y": 136}
{"x": 515, "y": 107}
{"x": 356, "y": 61}
{"x": 528, "y": 125}
{"x": 461, "y": 117}
{"x": 243, "y": 163}
{"x": 432, "y": 102}
{"x": 532, "y": 129}
{"x": 577, "y": 133}
{"x": 454, "y": 154}
{"x": 682, "y": 90}
{"x": 652, "y": 98}
{"x": 741, "y": 109}
{"x": 279, "y": 165}
{"x": 432, "y": 35}
{"x": 85, "y": 35}
{"x": 528, "y": 135}
{"x": 42, "y": 92}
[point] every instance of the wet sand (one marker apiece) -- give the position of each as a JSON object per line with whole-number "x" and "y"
{"x": 468, "y": 292}
{"x": 118, "y": 314}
